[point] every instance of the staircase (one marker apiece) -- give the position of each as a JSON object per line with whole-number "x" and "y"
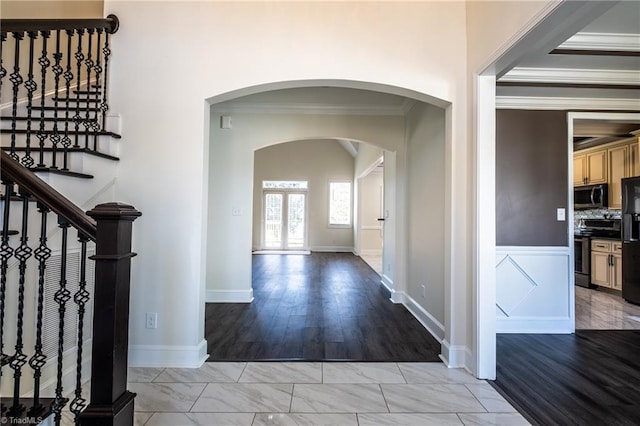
{"x": 64, "y": 288}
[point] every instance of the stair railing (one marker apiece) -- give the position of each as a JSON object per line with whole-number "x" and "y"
{"x": 56, "y": 71}
{"x": 109, "y": 226}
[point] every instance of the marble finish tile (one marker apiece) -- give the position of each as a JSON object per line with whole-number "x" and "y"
{"x": 172, "y": 397}
{"x": 493, "y": 419}
{"x": 142, "y": 374}
{"x": 490, "y": 398}
{"x": 282, "y": 372}
{"x": 338, "y": 398}
{"x": 244, "y": 398}
{"x": 210, "y": 372}
{"x": 201, "y": 419}
{"x": 282, "y": 419}
{"x": 408, "y": 419}
{"x": 430, "y": 399}
{"x": 361, "y": 372}
{"x": 433, "y": 373}
{"x": 140, "y": 419}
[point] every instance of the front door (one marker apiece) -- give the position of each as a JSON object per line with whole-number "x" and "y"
{"x": 284, "y": 220}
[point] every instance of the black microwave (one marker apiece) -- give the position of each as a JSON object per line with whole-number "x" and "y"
{"x": 590, "y": 197}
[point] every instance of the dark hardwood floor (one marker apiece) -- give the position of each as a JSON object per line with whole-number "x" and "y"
{"x": 591, "y": 377}
{"x": 320, "y": 307}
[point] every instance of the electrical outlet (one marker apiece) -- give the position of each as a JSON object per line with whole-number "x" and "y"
{"x": 151, "y": 320}
{"x": 424, "y": 292}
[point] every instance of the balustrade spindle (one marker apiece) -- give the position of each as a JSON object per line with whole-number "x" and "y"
{"x": 61, "y": 297}
{"x": 57, "y": 71}
{"x": 77, "y": 118}
{"x": 31, "y": 87}
{"x": 22, "y": 254}
{"x": 6, "y": 252}
{"x": 44, "y": 64}
{"x": 80, "y": 298}
{"x": 95, "y": 126}
{"x": 68, "y": 77}
{"x": 89, "y": 63}
{"x": 42, "y": 253}
{"x": 16, "y": 79}
{"x": 104, "y": 106}
{"x": 3, "y": 70}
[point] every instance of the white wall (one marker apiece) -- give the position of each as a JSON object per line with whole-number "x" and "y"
{"x": 214, "y": 48}
{"x": 318, "y": 162}
{"x": 426, "y": 214}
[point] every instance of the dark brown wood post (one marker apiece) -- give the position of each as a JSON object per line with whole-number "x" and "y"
{"x": 111, "y": 402}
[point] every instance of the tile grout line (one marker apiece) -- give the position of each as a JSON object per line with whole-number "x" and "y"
{"x": 474, "y": 395}
{"x": 384, "y": 398}
{"x": 198, "y": 397}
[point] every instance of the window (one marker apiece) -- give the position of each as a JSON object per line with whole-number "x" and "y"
{"x": 340, "y": 204}
{"x": 284, "y": 184}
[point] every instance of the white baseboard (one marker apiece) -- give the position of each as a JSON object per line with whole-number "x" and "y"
{"x": 534, "y": 325}
{"x": 388, "y": 283}
{"x": 336, "y": 249}
{"x": 168, "y": 356}
{"x": 229, "y": 296}
{"x": 426, "y": 319}
{"x": 454, "y": 356}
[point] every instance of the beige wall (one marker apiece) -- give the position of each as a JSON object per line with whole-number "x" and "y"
{"x": 318, "y": 162}
{"x": 51, "y": 9}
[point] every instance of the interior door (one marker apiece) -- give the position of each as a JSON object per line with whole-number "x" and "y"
{"x": 273, "y": 218}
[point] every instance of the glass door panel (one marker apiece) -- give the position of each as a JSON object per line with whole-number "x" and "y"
{"x": 295, "y": 221}
{"x": 273, "y": 220}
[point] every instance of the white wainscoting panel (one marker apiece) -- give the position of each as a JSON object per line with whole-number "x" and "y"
{"x": 534, "y": 290}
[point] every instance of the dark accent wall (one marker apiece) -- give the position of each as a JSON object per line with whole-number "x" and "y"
{"x": 531, "y": 177}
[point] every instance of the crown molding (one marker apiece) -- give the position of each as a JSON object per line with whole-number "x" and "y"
{"x": 310, "y": 109}
{"x": 602, "y": 41}
{"x": 558, "y": 103}
{"x": 572, "y": 76}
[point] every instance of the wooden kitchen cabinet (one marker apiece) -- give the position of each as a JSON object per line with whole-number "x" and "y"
{"x": 606, "y": 263}
{"x": 590, "y": 168}
{"x": 618, "y": 169}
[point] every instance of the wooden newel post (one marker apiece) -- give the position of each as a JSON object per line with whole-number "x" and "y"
{"x": 111, "y": 402}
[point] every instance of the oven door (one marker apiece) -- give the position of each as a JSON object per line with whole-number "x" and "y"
{"x": 582, "y": 261}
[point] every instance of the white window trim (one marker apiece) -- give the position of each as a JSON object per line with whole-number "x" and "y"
{"x": 340, "y": 226}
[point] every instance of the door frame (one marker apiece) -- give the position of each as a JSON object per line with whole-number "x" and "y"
{"x": 285, "y": 219}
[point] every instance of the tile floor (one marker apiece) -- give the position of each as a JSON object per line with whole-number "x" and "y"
{"x": 603, "y": 310}
{"x": 375, "y": 261}
{"x": 303, "y": 393}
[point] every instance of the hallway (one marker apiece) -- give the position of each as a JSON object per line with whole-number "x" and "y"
{"x": 320, "y": 307}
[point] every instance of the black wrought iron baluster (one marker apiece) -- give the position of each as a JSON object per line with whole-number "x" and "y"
{"x": 31, "y": 87}
{"x": 80, "y": 298}
{"x": 95, "y": 126}
{"x": 77, "y": 118}
{"x": 6, "y": 252}
{"x": 89, "y": 63}
{"x": 3, "y": 70}
{"x": 68, "y": 77}
{"x": 16, "y": 79}
{"x": 104, "y": 106}
{"x": 22, "y": 254}
{"x": 61, "y": 297}
{"x": 42, "y": 253}
{"x": 44, "y": 64}
{"x": 57, "y": 71}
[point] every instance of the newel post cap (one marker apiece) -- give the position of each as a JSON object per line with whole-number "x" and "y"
{"x": 114, "y": 211}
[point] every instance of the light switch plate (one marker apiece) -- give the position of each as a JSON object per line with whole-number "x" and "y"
{"x": 560, "y": 214}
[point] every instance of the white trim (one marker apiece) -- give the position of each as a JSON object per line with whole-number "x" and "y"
{"x": 349, "y": 147}
{"x": 562, "y": 103}
{"x": 534, "y": 250}
{"x": 370, "y": 252}
{"x": 572, "y": 76}
{"x": 331, "y": 249}
{"x": 38, "y": 95}
{"x": 535, "y": 325}
{"x": 168, "y": 356}
{"x": 433, "y": 326}
{"x": 310, "y": 109}
{"x": 229, "y": 296}
{"x": 305, "y": 252}
{"x": 453, "y": 356}
{"x": 602, "y": 41}
{"x": 388, "y": 283}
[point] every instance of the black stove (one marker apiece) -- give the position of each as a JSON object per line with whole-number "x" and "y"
{"x": 602, "y": 228}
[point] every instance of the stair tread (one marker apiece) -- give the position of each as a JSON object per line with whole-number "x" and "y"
{"x": 62, "y": 108}
{"x": 61, "y": 172}
{"x": 38, "y": 118}
{"x": 10, "y": 232}
{"x": 75, "y": 99}
{"x": 87, "y": 92}
{"x": 70, "y": 149}
{"x": 29, "y": 412}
